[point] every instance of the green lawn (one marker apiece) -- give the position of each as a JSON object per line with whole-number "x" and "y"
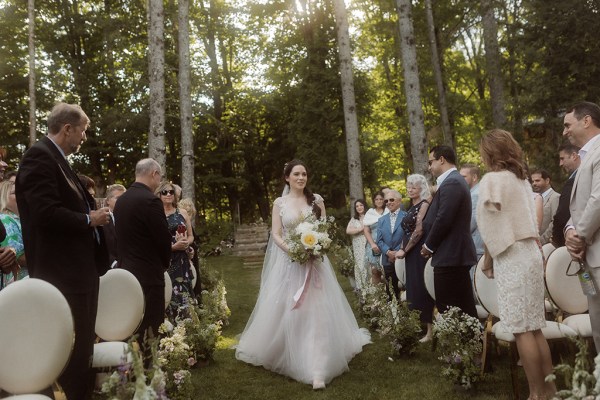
{"x": 371, "y": 375}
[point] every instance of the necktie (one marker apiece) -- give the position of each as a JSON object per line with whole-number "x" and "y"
{"x": 393, "y": 220}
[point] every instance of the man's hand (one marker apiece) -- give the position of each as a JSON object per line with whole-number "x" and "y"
{"x": 99, "y": 217}
{"x": 391, "y": 255}
{"x": 575, "y": 244}
{"x": 425, "y": 253}
{"x": 8, "y": 259}
{"x": 400, "y": 254}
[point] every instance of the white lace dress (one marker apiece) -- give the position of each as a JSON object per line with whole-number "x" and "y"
{"x": 359, "y": 242}
{"x": 312, "y": 339}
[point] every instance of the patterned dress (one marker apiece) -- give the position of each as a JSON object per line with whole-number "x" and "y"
{"x": 179, "y": 270}
{"x": 361, "y": 269}
{"x": 14, "y": 239}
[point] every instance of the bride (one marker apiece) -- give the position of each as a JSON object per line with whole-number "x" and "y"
{"x": 310, "y": 339}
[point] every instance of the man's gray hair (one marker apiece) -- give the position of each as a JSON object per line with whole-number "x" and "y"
{"x": 63, "y": 114}
{"x": 420, "y": 181}
{"x": 394, "y": 193}
{"x": 146, "y": 167}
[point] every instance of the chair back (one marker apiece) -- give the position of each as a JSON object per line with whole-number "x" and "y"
{"x": 168, "y": 289}
{"x": 547, "y": 249}
{"x": 400, "y": 266}
{"x": 564, "y": 291}
{"x": 428, "y": 276}
{"x": 36, "y": 335}
{"x": 486, "y": 290}
{"x": 194, "y": 275}
{"x": 120, "y": 305}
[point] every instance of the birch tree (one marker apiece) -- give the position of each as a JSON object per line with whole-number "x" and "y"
{"x": 439, "y": 79}
{"x": 349, "y": 102}
{"x": 31, "y": 45}
{"x": 185, "y": 102}
{"x": 156, "y": 62}
{"x": 412, "y": 87}
{"x": 492, "y": 60}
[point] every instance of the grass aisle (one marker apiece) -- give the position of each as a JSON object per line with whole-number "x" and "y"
{"x": 371, "y": 375}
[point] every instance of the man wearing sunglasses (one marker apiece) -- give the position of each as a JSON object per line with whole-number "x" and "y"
{"x": 389, "y": 239}
{"x": 448, "y": 240}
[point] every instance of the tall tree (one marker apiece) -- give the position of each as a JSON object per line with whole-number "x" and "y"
{"x": 185, "y": 102}
{"x": 439, "y": 78}
{"x": 493, "y": 62}
{"x": 349, "y": 102}
{"x": 31, "y": 46}
{"x": 412, "y": 87}
{"x": 156, "y": 63}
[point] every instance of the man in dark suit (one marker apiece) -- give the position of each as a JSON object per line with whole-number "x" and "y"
{"x": 144, "y": 241}
{"x": 448, "y": 236}
{"x": 569, "y": 160}
{"x": 389, "y": 239}
{"x": 113, "y": 192}
{"x": 62, "y": 234}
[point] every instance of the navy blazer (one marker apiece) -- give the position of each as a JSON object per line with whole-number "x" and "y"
{"x": 447, "y": 224}
{"x": 60, "y": 246}
{"x": 386, "y": 240}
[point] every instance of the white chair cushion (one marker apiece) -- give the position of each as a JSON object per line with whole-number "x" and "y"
{"x": 428, "y": 276}
{"x": 120, "y": 305}
{"x": 110, "y": 354}
{"x": 403, "y": 295}
{"x": 36, "y": 335}
{"x": 194, "y": 275}
{"x": 29, "y": 397}
{"x": 553, "y": 330}
{"x": 580, "y": 323}
{"x": 168, "y": 289}
{"x": 481, "y": 312}
{"x": 486, "y": 290}
{"x": 400, "y": 266}
{"x": 564, "y": 291}
{"x": 547, "y": 249}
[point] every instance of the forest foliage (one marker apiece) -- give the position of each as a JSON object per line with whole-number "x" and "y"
{"x": 266, "y": 87}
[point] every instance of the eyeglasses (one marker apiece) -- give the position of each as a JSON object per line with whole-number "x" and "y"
{"x": 167, "y": 192}
{"x": 389, "y": 201}
{"x": 431, "y": 161}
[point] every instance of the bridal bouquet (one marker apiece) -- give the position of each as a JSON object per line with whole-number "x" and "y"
{"x": 309, "y": 239}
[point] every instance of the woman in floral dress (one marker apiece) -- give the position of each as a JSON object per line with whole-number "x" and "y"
{"x": 355, "y": 228}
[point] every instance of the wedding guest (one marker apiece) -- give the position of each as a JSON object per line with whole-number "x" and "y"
{"x": 3, "y": 164}
{"x": 389, "y": 240}
{"x": 145, "y": 242}
{"x": 180, "y": 229}
{"x": 372, "y": 251}
{"x": 416, "y": 293}
{"x": 9, "y": 218}
{"x": 356, "y": 229}
{"x": 62, "y": 232}
{"x": 302, "y": 325}
{"x": 506, "y": 217}
{"x": 188, "y": 205}
{"x": 88, "y": 184}
{"x": 113, "y": 192}
{"x": 8, "y": 256}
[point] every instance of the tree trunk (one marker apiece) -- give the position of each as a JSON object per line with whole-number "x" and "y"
{"x": 32, "y": 106}
{"x": 412, "y": 87}
{"x": 439, "y": 79}
{"x": 185, "y": 102}
{"x": 156, "y": 55}
{"x": 492, "y": 59}
{"x": 350, "y": 119}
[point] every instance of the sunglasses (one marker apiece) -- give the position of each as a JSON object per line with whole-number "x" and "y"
{"x": 389, "y": 201}
{"x": 167, "y": 192}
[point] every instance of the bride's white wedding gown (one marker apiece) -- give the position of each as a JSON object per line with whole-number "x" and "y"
{"x": 310, "y": 339}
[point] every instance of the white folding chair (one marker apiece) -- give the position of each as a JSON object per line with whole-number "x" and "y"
{"x": 36, "y": 336}
{"x": 120, "y": 312}
{"x": 168, "y": 289}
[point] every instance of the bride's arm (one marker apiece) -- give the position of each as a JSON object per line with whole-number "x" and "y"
{"x": 277, "y": 228}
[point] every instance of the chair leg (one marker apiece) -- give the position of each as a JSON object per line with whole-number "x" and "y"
{"x": 514, "y": 371}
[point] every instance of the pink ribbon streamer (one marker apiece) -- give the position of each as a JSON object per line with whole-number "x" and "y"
{"x": 300, "y": 294}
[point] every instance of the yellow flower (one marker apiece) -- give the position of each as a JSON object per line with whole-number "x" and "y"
{"x": 308, "y": 239}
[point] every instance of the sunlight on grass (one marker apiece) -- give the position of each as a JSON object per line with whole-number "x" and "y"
{"x": 226, "y": 342}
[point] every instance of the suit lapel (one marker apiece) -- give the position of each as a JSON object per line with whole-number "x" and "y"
{"x": 586, "y": 160}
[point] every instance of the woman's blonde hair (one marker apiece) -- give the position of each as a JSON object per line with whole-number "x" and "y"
{"x": 5, "y": 189}
{"x": 188, "y": 205}
{"x": 163, "y": 185}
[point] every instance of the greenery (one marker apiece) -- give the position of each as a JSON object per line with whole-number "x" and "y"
{"x": 343, "y": 258}
{"x": 459, "y": 338}
{"x": 371, "y": 376}
{"x": 581, "y": 383}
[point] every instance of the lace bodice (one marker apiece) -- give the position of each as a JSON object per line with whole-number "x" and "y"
{"x": 291, "y": 216}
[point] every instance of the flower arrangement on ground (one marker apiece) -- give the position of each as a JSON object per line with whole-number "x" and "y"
{"x": 581, "y": 383}
{"x": 398, "y": 323}
{"x": 214, "y": 297}
{"x": 460, "y": 342}
{"x": 345, "y": 259}
{"x": 309, "y": 239}
{"x": 371, "y": 304}
{"x": 175, "y": 358}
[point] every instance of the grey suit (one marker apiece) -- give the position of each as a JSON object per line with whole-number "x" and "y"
{"x": 585, "y": 217}
{"x": 477, "y": 240}
{"x": 550, "y": 207}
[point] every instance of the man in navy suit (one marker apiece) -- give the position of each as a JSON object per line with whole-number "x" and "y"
{"x": 448, "y": 235}
{"x": 389, "y": 239}
{"x": 62, "y": 234}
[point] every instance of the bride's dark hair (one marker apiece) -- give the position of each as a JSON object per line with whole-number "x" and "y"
{"x": 310, "y": 197}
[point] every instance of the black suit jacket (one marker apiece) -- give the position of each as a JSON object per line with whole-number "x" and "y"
{"x": 562, "y": 213}
{"x": 447, "y": 224}
{"x": 143, "y": 238}
{"x": 53, "y": 206}
{"x": 111, "y": 241}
